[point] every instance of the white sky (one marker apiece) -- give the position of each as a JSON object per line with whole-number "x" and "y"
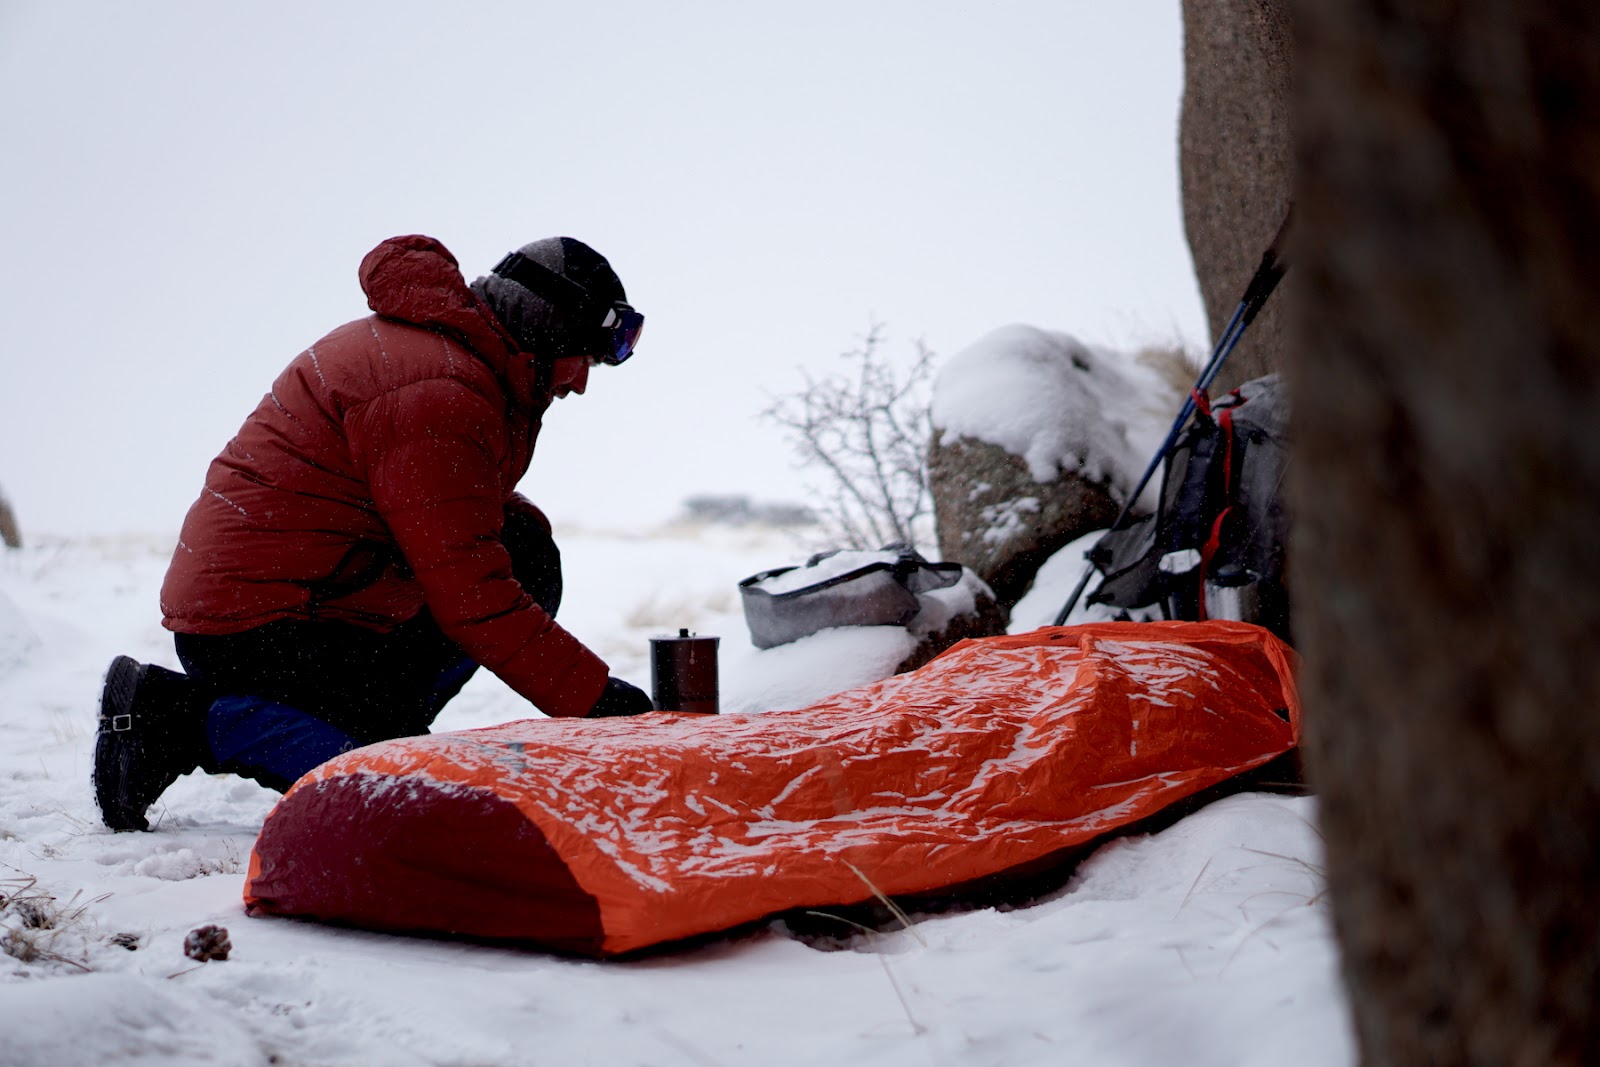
{"x": 186, "y": 190}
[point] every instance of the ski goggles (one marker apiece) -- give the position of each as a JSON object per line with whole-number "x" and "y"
{"x": 623, "y": 327}
{"x": 620, "y": 326}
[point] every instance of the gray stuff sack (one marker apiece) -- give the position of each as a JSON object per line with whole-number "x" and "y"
{"x": 787, "y": 603}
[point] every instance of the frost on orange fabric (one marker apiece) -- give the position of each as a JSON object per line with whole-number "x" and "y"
{"x": 608, "y": 836}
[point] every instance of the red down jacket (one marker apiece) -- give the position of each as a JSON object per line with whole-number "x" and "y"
{"x": 373, "y": 479}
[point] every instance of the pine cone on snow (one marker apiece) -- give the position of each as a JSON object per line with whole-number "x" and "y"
{"x": 207, "y": 943}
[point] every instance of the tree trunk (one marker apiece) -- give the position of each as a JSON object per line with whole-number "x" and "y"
{"x": 1447, "y": 574}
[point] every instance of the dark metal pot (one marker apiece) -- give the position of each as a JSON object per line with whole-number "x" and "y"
{"x": 683, "y": 673}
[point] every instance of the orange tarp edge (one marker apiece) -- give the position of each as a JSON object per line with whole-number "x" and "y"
{"x": 1001, "y": 751}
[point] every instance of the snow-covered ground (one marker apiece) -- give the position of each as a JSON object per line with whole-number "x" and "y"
{"x": 1207, "y": 943}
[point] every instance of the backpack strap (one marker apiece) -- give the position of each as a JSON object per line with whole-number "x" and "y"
{"x": 1208, "y": 551}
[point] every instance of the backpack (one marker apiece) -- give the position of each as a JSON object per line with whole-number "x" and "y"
{"x": 1217, "y": 545}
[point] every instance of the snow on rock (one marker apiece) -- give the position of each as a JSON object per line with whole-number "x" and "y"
{"x": 1057, "y": 403}
{"x": 938, "y": 608}
{"x": 1004, "y": 522}
{"x": 1038, "y": 438}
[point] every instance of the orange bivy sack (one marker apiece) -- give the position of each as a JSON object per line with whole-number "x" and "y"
{"x": 607, "y": 836}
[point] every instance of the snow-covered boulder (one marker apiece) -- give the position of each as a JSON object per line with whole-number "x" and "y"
{"x": 996, "y": 518}
{"x": 1038, "y": 439}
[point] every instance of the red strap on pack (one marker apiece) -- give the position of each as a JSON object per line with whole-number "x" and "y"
{"x": 1214, "y": 541}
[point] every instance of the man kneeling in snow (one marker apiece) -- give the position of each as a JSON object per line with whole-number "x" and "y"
{"x": 358, "y": 549}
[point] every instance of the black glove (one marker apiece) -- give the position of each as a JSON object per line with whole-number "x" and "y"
{"x": 620, "y": 698}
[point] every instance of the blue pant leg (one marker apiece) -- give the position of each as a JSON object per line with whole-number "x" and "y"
{"x": 270, "y": 741}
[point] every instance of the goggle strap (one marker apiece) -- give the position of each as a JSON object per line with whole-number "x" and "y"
{"x": 552, "y": 285}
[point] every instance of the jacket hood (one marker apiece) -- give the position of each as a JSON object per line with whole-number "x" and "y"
{"x": 415, "y": 279}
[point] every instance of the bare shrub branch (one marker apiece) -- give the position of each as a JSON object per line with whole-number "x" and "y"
{"x": 866, "y": 432}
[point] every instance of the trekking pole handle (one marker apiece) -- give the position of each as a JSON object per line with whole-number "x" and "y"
{"x": 1274, "y": 264}
{"x": 1230, "y": 338}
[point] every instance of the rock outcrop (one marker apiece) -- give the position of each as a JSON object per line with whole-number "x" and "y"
{"x": 995, "y": 517}
{"x": 1235, "y": 148}
{"x": 1038, "y": 439}
{"x": 939, "y": 626}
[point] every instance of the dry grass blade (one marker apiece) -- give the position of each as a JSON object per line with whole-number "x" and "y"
{"x": 894, "y": 983}
{"x": 905, "y": 920}
{"x": 40, "y": 920}
{"x": 1311, "y": 868}
{"x": 1192, "y": 887}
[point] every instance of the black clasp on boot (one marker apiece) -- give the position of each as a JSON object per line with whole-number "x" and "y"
{"x": 149, "y": 735}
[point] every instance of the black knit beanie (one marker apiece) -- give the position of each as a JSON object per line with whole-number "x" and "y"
{"x": 539, "y": 326}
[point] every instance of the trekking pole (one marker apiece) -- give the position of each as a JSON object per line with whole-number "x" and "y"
{"x": 1268, "y": 274}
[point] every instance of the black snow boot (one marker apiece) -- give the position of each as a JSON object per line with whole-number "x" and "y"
{"x": 152, "y": 731}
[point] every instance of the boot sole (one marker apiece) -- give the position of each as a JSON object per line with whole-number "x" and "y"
{"x": 112, "y": 751}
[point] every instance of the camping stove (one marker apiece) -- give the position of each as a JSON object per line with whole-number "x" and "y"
{"x": 683, "y": 673}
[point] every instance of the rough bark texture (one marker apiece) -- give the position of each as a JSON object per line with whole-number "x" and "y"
{"x": 1447, "y": 553}
{"x": 993, "y": 517}
{"x": 1234, "y": 155}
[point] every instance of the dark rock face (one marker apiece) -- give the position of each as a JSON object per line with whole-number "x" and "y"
{"x": 987, "y": 619}
{"x": 1446, "y": 378}
{"x": 1235, "y": 162}
{"x": 992, "y": 516}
